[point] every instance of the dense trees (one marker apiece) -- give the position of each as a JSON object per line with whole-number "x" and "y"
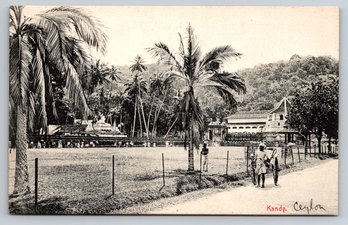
{"x": 269, "y": 83}
{"x": 315, "y": 110}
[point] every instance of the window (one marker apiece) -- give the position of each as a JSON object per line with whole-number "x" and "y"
{"x": 234, "y": 127}
{"x": 241, "y": 127}
{"x": 254, "y": 127}
{"x": 247, "y": 127}
{"x": 281, "y": 117}
{"x": 278, "y": 124}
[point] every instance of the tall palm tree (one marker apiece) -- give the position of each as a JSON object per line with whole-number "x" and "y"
{"x": 133, "y": 88}
{"x": 160, "y": 85}
{"x": 98, "y": 74}
{"x": 55, "y": 40}
{"x": 137, "y": 68}
{"x": 197, "y": 72}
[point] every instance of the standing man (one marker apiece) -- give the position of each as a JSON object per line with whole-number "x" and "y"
{"x": 260, "y": 170}
{"x": 205, "y": 152}
{"x": 275, "y": 163}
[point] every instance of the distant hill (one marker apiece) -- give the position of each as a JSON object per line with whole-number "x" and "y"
{"x": 269, "y": 83}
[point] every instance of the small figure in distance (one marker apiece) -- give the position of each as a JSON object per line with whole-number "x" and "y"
{"x": 204, "y": 153}
{"x": 252, "y": 167}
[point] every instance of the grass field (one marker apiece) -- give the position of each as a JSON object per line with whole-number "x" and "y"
{"x": 79, "y": 180}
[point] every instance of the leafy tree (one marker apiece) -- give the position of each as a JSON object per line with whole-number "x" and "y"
{"x": 53, "y": 40}
{"x": 315, "y": 110}
{"x": 194, "y": 72}
{"x": 331, "y": 128}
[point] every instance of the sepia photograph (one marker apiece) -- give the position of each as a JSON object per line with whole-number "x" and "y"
{"x": 173, "y": 110}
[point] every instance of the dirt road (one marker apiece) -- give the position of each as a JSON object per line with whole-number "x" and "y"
{"x": 312, "y": 191}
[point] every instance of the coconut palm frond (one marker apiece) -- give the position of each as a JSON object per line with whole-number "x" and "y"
{"x": 77, "y": 54}
{"x": 75, "y": 90}
{"x": 86, "y": 27}
{"x": 20, "y": 59}
{"x": 181, "y": 48}
{"x": 175, "y": 74}
{"x": 214, "y": 58}
{"x": 165, "y": 56}
{"x": 207, "y": 83}
{"x": 55, "y": 40}
{"x": 230, "y": 80}
{"x": 138, "y": 65}
{"x": 114, "y": 74}
{"x": 31, "y": 104}
{"x": 193, "y": 54}
{"x": 190, "y": 108}
{"x": 40, "y": 88}
{"x": 227, "y": 96}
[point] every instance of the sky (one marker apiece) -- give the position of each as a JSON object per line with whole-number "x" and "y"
{"x": 261, "y": 34}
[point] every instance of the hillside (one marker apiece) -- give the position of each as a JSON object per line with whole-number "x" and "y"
{"x": 269, "y": 83}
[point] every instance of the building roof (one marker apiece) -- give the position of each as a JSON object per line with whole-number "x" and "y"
{"x": 282, "y": 102}
{"x": 260, "y": 114}
{"x": 249, "y": 115}
{"x": 216, "y": 124}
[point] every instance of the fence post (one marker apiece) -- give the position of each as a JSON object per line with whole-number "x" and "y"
{"x": 285, "y": 150}
{"x": 305, "y": 152}
{"x": 200, "y": 169}
{"x": 36, "y": 179}
{"x": 113, "y": 175}
{"x": 298, "y": 152}
{"x": 164, "y": 181}
{"x": 247, "y": 160}
{"x": 292, "y": 155}
{"x": 228, "y": 154}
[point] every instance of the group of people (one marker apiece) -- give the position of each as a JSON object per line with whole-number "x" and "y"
{"x": 260, "y": 162}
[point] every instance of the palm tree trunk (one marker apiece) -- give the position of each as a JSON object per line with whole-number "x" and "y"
{"x": 165, "y": 136}
{"x": 157, "y": 112}
{"x": 134, "y": 117}
{"x": 21, "y": 185}
{"x": 190, "y": 150}
{"x": 121, "y": 121}
{"x": 142, "y": 110}
{"x": 154, "y": 122}
{"x": 149, "y": 117}
{"x": 319, "y": 144}
{"x": 140, "y": 124}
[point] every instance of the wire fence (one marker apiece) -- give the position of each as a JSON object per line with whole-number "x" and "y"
{"x": 77, "y": 174}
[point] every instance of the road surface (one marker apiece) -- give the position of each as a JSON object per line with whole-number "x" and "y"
{"x": 313, "y": 191}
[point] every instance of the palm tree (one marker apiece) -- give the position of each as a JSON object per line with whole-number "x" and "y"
{"x": 197, "y": 72}
{"x": 133, "y": 89}
{"x": 137, "y": 68}
{"x": 97, "y": 75}
{"x": 113, "y": 76}
{"x": 138, "y": 65}
{"x": 160, "y": 85}
{"x": 55, "y": 40}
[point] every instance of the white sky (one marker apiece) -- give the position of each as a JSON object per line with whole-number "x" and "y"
{"x": 261, "y": 34}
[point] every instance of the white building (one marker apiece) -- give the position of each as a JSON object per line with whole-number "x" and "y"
{"x": 270, "y": 121}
